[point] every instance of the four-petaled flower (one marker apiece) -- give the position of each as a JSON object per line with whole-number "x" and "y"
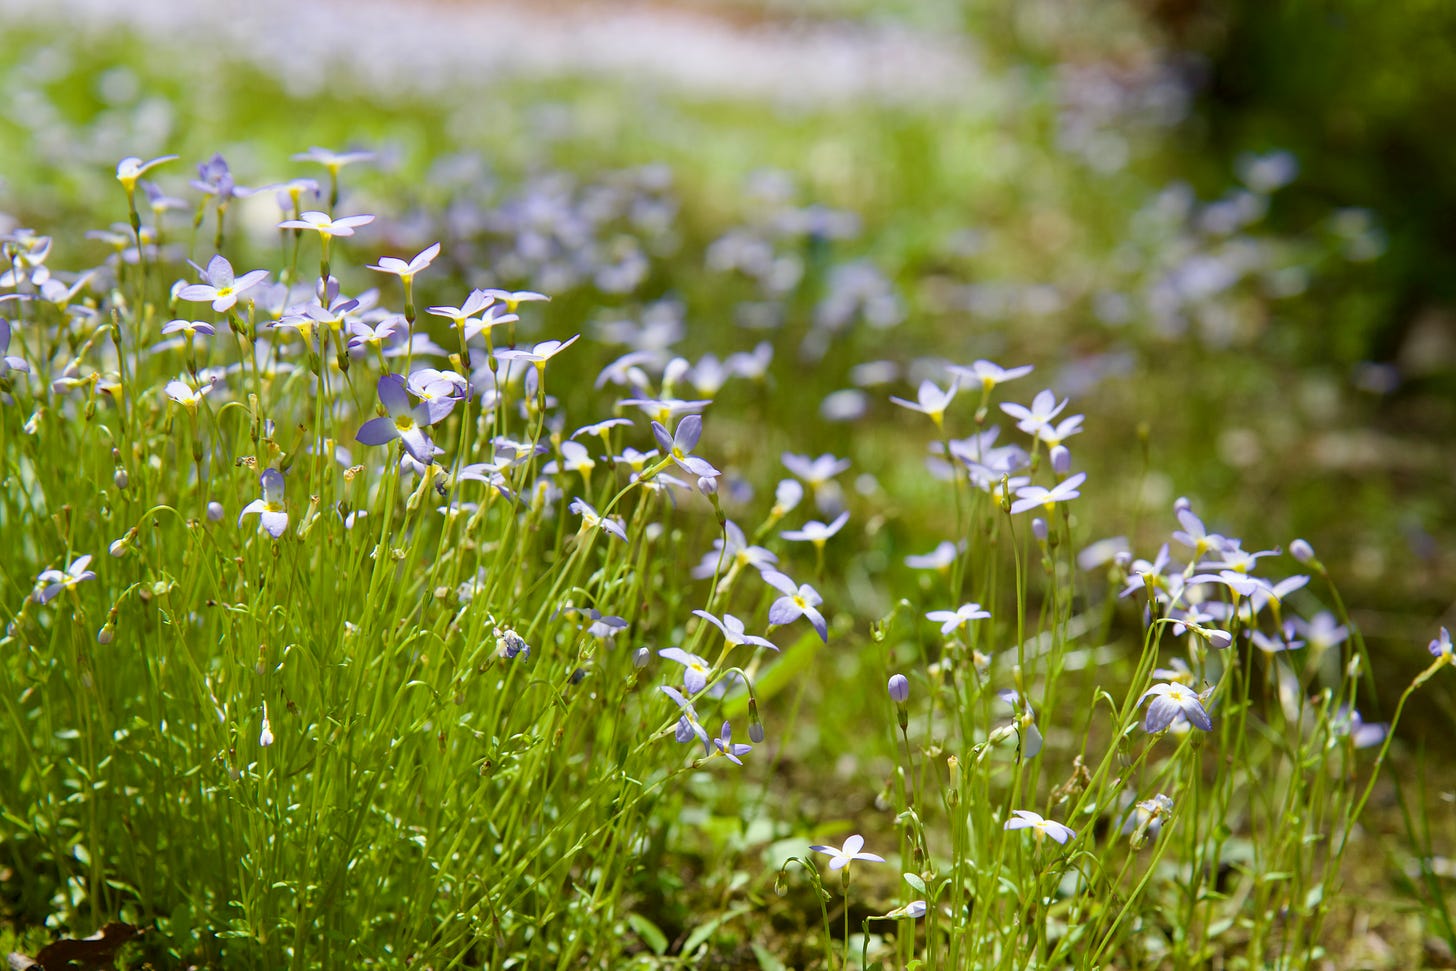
{"x": 816, "y": 532}
{"x": 1032, "y": 496}
{"x": 403, "y": 270}
{"x": 797, "y": 601}
{"x": 841, "y": 857}
{"x": 733, "y": 631}
{"x": 55, "y": 581}
{"x": 591, "y": 519}
{"x": 538, "y": 354}
{"x": 272, "y": 514}
{"x": 688, "y": 725}
{"x": 131, "y": 168}
{"x": 950, "y": 620}
{"x": 1043, "y": 411}
{"x": 514, "y": 298}
{"x": 1171, "y": 703}
{"x": 221, "y": 289}
{"x": 695, "y": 677}
{"x": 932, "y": 401}
{"x": 406, "y": 422}
{"x": 679, "y": 446}
{"x": 989, "y": 374}
{"x": 1042, "y": 827}
{"x": 728, "y": 748}
{"x": 325, "y": 225}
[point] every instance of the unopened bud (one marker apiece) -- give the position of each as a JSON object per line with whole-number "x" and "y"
{"x": 899, "y": 689}
{"x": 1061, "y": 457}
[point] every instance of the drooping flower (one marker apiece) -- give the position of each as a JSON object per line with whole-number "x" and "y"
{"x": 696, "y": 669}
{"x": 271, "y": 510}
{"x": 688, "y": 725}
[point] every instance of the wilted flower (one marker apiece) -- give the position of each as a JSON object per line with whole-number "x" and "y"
{"x": 688, "y": 725}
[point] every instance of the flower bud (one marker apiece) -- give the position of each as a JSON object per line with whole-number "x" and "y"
{"x": 1061, "y": 457}
{"x": 106, "y": 634}
{"x": 1039, "y": 529}
{"x": 1301, "y": 551}
{"x": 899, "y": 689}
{"x": 214, "y": 511}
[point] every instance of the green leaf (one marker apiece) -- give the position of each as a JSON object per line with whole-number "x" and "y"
{"x": 651, "y": 935}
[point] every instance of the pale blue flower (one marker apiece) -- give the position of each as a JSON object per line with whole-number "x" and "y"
{"x": 1041, "y": 826}
{"x": 841, "y": 857}
{"x": 271, "y": 509}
